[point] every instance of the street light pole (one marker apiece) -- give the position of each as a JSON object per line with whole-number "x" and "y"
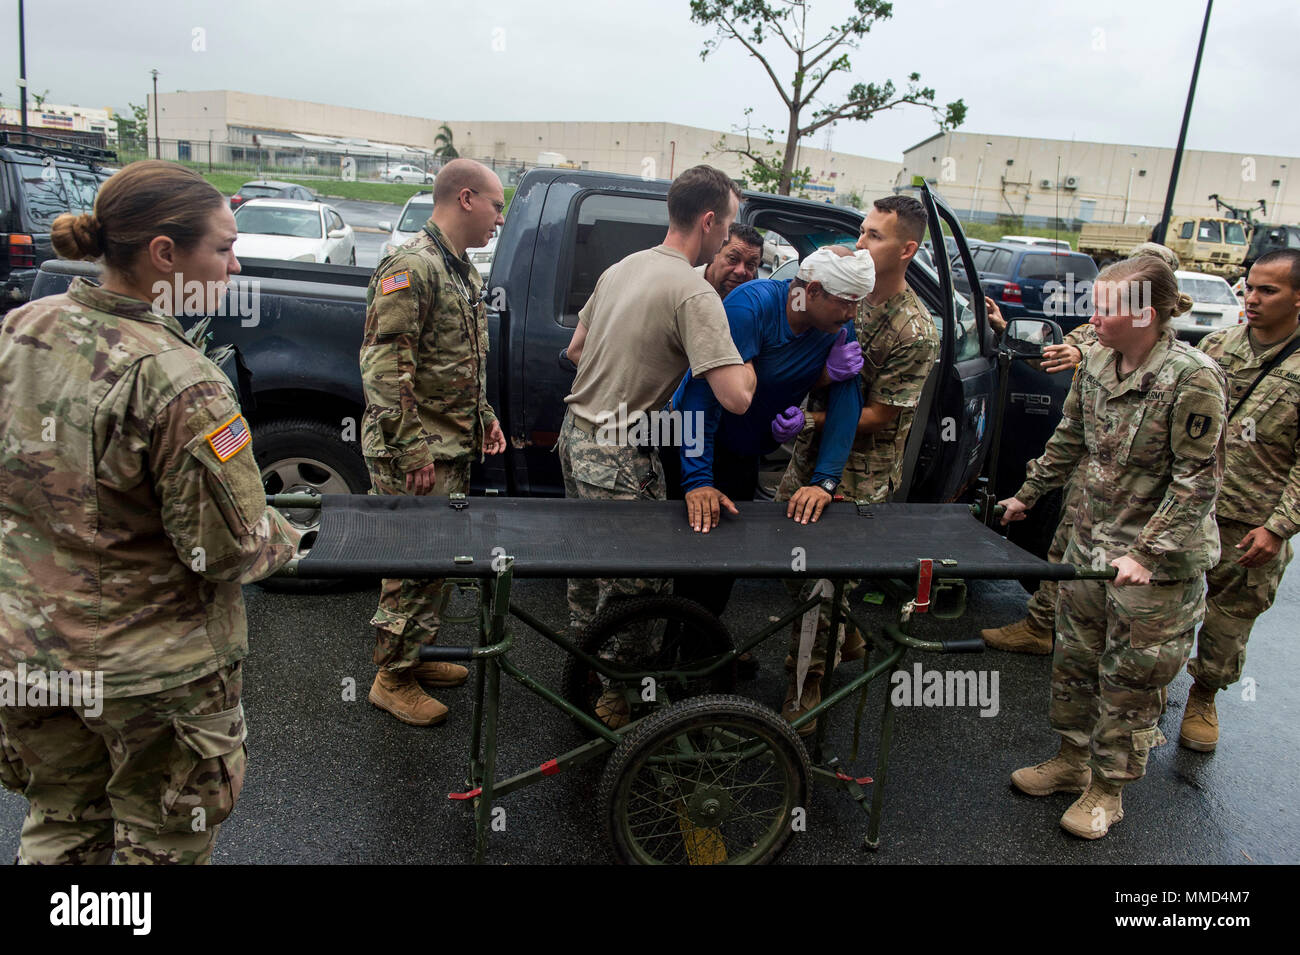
{"x": 1159, "y": 234}
{"x": 22, "y": 65}
{"x": 157, "y": 151}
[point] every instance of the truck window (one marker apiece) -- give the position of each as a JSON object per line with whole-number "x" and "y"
{"x": 49, "y": 196}
{"x": 1234, "y": 234}
{"x": 610, "y": 228}
{"x": 1186, "y": 232}
{"x": 1209, "y": 232}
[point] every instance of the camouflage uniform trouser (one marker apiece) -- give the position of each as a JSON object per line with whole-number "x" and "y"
{"x": 410, "y": 611}
{"x": 595, "y": 471}
{"x": 1237, "y": 595}
{"x": 1042, "y": 603}
{"x": 859, "y": 484}
{"x": 1116, "y": 647}
{"x": 151, "y": 776}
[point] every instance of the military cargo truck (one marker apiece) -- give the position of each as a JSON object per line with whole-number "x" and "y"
{"x": 1202, "y": 243}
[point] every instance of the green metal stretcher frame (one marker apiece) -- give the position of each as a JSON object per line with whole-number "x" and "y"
{"x": 496, "y": 641}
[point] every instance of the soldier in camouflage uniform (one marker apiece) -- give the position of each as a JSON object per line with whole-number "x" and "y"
{"x": 1259, "y": 507}
{"x": 1148, "y": 444}
{"x": 424, "y": 370}
{"x": 132, "y": 509}
{"x": 899, "y": 344}
{"x": 1033, "y": 634}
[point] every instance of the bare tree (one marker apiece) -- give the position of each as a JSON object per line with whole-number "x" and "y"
{"x": 753, "y": 22}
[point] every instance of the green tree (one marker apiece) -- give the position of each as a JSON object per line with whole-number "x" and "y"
{"x": 751, "y": 23}
{"x": 133, "y": 132}
{"x": 445, "y": 148}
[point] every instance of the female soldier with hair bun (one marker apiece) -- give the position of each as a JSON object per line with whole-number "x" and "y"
{"x": 132, "y": 511}
{"x": 1143, "y": 423}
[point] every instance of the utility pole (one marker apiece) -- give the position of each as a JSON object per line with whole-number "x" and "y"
{"x": 1159, "y": 234}
{"x": 22, "y": 65}
{"x": 157, "y": 152}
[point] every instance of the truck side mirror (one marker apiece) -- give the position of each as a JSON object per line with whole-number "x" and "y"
{"x": 1028, "y": 336}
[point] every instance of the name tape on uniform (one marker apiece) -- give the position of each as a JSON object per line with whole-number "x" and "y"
{"x": 227, "y": 440}
{"x": 395, "y": 282}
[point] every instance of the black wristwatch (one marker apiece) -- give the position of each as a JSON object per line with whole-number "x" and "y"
{"x": 827, "y": 485}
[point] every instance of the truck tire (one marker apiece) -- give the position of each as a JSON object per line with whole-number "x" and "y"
{"x": 299, "y": 454}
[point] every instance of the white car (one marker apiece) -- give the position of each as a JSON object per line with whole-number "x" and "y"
{"x": 405, "y": 172}
{"x": 1214, "y": 305}
{"x": 1038, "y": 240}
{"x": 777, "y": 251}
{"x": 414, "y": 215}
{"x": 295, "y": 230}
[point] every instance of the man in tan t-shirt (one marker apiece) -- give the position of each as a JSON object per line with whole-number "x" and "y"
{"x": 649, "y": 320}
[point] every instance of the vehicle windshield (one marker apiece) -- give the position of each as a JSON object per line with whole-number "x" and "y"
{"x": 1209, "y": 232}
{"x": 415, "y": 216}
{"x": 50, "y": 194}
{"x": 268, "y": 220}
{"x": 259, "y": 192}
{"x": 1208, "y": 291}
{"x": 1234, "y": 234}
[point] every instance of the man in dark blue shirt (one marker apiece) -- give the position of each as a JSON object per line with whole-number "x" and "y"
{"x": 792, "y": 330}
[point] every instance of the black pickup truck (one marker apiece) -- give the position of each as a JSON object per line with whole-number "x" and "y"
{"x": 564, "y": 228}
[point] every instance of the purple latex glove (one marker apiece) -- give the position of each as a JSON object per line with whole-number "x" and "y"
{"x": 845, "y": 360}
{"x": 787, "y": 424}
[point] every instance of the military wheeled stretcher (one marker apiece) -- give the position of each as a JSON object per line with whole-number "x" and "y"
{"x": 694, "y": 775}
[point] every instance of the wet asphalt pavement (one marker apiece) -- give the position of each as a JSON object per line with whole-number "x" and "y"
{"x": 333, "y": 781}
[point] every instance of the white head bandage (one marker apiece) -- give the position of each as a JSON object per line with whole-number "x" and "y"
{"x": 845, "y": 276}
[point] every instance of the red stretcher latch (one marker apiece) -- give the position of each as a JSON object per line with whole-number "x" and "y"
{"x": 860, "y": 780}
{"x": 550, "y": 767}
{"x": 472, "y": 794}
{"x": 922, "y": 603}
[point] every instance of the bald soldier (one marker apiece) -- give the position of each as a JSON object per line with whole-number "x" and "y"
{"x": 424, "y": 370}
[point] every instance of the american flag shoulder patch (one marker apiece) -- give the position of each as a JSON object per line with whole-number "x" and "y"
{"x": 395, "y": 282}
{"x": 227, "y": 440}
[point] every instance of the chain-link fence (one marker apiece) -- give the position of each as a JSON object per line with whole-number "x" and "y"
{"x": 304, "y": 161}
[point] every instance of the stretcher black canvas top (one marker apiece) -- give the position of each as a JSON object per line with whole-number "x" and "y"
{"x": 402, "y": 536}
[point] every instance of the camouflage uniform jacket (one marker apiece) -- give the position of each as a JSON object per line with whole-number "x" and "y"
{"x": 1261, "y": 481}
{"x": 1150, "y": 454}
{"x": 130, "y": 504}
{"x": 899, "y": 345}
{"x": 424, "y": 356}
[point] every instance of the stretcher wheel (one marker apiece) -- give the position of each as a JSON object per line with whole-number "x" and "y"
{"x": 711, "y": 780}
{"x": 647, "y": 637}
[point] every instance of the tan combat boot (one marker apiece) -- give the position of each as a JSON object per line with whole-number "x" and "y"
{"x": 437, "y": 673}
{"x": 812, "y": 695}
{"x": 855, "y": 648}
{"x": 1200, "y": 729}
{"x": 1095, "y": 811}
{"x": 1066, "y": 772}
{"x": 400, "y": 694}
{"x": 1019, "y": 637}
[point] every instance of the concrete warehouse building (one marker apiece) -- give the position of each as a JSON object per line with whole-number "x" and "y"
{"x": 980, "y": 175}
{"x": 1041, "y": 179}
{"x": 321, "y": 135}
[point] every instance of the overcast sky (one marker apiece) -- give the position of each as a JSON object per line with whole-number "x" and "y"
{"x": 1103, "y": 70}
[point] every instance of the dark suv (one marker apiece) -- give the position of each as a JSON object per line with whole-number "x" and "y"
{"x": 1033, "y": 282}
{"x": 40, "y": 179}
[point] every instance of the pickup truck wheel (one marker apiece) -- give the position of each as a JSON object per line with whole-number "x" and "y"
{"x": 301, "y": 454}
